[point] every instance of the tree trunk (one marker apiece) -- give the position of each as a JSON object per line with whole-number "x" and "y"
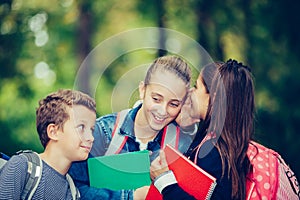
{"x": 160, "y": 9}
{"x": 84, "y": 34}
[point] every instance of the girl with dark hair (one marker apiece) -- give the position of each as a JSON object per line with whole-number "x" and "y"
{"x": 223, "y": 99}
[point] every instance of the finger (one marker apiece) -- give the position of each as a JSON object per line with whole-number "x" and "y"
{"x": 154, "y": 168}
{"x": 196, "y": 120}
{"x": 163, "y": 160}
{"x": 155, "y": 164}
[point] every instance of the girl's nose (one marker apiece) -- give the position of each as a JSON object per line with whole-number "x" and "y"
{"x": 162, "y": 109}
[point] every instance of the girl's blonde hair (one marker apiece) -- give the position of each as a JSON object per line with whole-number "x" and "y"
{"x": 171, "y": 64}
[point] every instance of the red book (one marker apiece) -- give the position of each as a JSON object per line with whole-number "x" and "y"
{"x": 190, "y": 177}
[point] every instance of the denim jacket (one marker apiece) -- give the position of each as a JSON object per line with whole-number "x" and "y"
{"x": 102, "y": 136}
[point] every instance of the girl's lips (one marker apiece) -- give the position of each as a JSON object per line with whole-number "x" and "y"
{"x": 157, "y": 119}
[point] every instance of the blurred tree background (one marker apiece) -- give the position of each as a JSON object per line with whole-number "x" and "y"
{"x": 43, "y": 43}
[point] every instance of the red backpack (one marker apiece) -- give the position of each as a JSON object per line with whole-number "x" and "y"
{"x": 271, "y": 178}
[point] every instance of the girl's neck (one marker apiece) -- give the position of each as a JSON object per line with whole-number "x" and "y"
{"x": 144, "y": 136}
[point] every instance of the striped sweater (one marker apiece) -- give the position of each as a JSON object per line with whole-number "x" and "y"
{"x": 53, "y": 185}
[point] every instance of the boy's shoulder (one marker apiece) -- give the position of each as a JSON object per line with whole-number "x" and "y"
{"x": 16, "y": 161}
{"x": 32, "y": 167}
{"x": 26, "y": 165}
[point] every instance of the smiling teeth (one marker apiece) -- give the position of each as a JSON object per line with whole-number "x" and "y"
{"x": 158, "y": 118}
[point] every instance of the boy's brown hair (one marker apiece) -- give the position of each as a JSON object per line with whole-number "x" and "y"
{"x": 53, "y": 109}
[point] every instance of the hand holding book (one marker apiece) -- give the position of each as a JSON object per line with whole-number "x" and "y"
{"x": 190, "y": 177}
{"x": 159, "y": 166}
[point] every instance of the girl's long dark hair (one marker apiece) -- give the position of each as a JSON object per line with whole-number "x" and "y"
{"x": 231, "y": 115}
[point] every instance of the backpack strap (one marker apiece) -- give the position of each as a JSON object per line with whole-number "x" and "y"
{"x": 3, "y": 159}
{"x": 288, "y": 183}
{"x": 74, "y": 191}
{"x": 34, "y": 173}
{"x": 168, "y": 136}
{"x": 208, "y": 136}
{"x": 118, "y": 141}
{"x": 4, "y": 156}
{"x": 2, "y": 162}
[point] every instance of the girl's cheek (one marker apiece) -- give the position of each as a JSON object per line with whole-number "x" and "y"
{"x": 173, "y": 112}
{"x": 194, "y": 100}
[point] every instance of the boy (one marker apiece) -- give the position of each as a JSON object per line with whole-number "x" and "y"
{"x": 65, "y": 121}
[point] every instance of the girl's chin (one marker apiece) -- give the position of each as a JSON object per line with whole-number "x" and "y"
{"x": 158, "y": 126}
{"x": 196, "y": 116}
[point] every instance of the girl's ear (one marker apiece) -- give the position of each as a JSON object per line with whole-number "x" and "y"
{"x": 52, "y": 131}
{"x": 142, "y": 89}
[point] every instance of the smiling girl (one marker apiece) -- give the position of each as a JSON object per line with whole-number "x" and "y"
{"x": 146, "y": 126}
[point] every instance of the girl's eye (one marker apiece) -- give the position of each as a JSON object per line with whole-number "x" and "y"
{"x": 175, "y": 105}
{"x": 155, "y": 99}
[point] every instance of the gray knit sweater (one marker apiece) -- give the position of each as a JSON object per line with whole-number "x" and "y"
{"x": 53, "y": 185}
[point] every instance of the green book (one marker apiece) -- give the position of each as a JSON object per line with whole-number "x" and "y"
{"x": 120, "y": 171}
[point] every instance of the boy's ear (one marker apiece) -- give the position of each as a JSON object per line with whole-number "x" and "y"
{"x": 142, "y": 89}
{"x": 52, "y": 131}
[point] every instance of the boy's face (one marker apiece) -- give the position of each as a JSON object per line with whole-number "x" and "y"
{"x": 162, "y": 99}
{"x": 76, "y": 139}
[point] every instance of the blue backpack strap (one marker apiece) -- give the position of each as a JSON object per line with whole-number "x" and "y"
{"x": 170, "y": 136}
{"x": 118, "y": 141}
{"x": 34, "y": 173}
{"x": 3, "y": 159}
{"x": 4, "y": 156}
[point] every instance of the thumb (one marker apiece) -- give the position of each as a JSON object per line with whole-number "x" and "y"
{"x": 163, "y": 160}
{"x": 196, "y": 120}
